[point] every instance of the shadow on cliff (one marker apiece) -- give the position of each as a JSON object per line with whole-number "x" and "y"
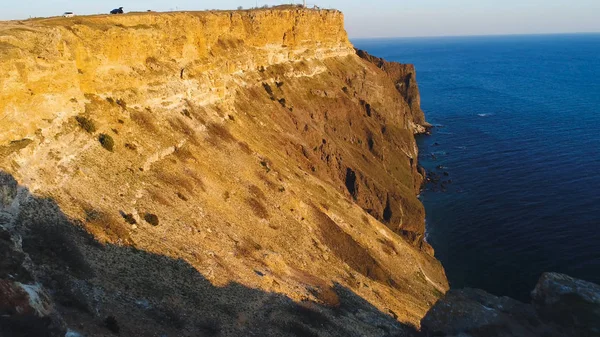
{"x": 105, "y": 289}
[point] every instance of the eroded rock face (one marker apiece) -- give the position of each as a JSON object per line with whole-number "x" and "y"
{"x": 26, "y": 309}
{"x": 248, "y": 162}
{"x": 404, "y": 77}
{"x": 562, "y": 306}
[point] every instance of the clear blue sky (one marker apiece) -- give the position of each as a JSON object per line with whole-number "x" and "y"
{"x": 376, "y": 18}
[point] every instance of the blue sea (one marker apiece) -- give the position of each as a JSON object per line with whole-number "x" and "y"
{"x": 518, "y": 136}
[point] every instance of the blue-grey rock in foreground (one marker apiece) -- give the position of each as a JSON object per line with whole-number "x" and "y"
{"x": 561, "y": 306}
{"x": 573, "y": 304}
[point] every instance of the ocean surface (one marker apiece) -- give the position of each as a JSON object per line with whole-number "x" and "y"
{"x": 518, "y": 135}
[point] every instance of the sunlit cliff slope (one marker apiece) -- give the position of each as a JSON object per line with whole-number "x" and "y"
{"x": 210, "y": 173}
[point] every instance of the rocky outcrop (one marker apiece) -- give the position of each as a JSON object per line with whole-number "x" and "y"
{"x": 244, "y": 161}
{"x": 26, "y": 308}
{"x": 404, "y": 77}
{"x": 562, "y": 306}
{"x": 570, "y": 303}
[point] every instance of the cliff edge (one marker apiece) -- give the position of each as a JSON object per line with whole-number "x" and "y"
{"x": 208, "y": 173}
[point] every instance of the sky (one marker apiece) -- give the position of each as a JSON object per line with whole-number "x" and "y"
{"x": 375, "y": 18}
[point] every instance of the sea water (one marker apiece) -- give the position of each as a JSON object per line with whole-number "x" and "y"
{"x": 518, "y": 136}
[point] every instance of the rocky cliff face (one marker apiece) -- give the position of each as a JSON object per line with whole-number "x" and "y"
{"x": 404, "y": 77}
{"x": 213, "y": 173}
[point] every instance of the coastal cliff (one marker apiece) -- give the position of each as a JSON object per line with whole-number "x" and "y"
{"x": 227, "y": 173}
{"x": 209, "y": 173}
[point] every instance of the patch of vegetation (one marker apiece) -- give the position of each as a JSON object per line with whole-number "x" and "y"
{"x": 279, "y": 84}
{"x": 256, "y": 192}
{"x": 326, "y": 295}
{"x": 246, "y": 247}
{"x": 282, "y": 102}
{"x": 218, "y": 132}
{"x": 186, "y": 113}
{"x": 180, "y": 125}
{"x": 106, "y": 141}
{"x": 104, "y": 222}
{"x": 14, "y": 146}
{"x": 159, "y": 196}
{"x": 144, "y": 120}
{"x": 151, "y": 219}
{"x": 85, "y": 123}
{"x": 184, "y": 154}
{"x": 182, "y": 181}
{"x": 110, "y": 100}
{"x": 245, "y": 147}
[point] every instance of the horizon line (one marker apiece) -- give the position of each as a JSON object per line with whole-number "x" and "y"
{"x": 471, "y": 35}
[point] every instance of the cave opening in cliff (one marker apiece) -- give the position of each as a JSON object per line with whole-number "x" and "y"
{"x": 387, "y": 212}
{"x": 351, "y": 182}
{"x": 370, "y": 142}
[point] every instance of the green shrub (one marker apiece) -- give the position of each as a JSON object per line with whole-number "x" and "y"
{"x": 106, "y": 141}
{"x": 86, "y": 124}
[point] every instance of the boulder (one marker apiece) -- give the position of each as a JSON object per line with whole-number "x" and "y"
{"x": 571, "y": 303}
{"x": 27, "y": 310}
{"x": 561, "y": 306}
{"x": 475, "y": 313}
